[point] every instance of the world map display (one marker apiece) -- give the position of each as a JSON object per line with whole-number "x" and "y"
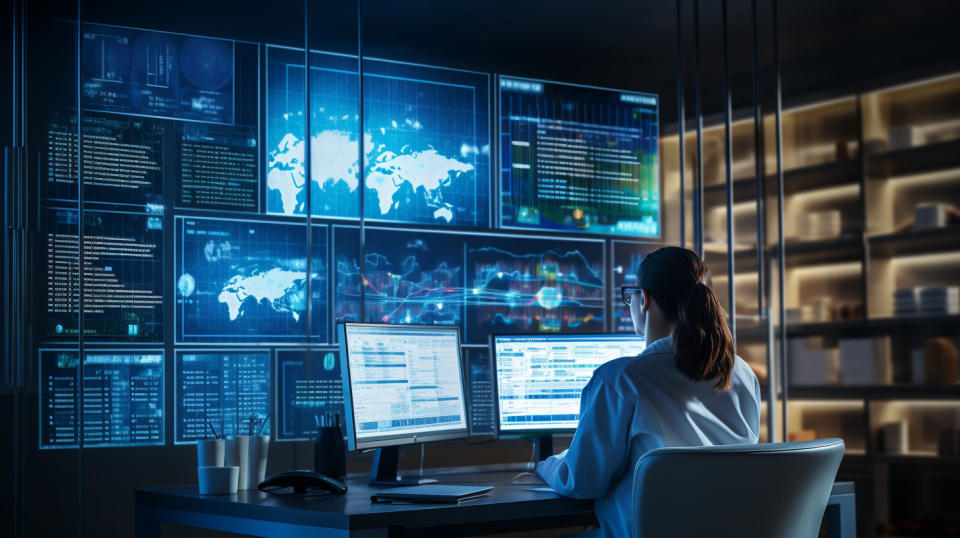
{"x": 426, "y": 140}
{"x": 247, "y": 280}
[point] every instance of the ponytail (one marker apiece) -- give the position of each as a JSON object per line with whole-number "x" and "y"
{"x": 675, "y": 279}
{"x": 701, "y": 337}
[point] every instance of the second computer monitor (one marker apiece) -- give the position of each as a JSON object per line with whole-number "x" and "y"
{"x": 539, "y": 378}
{"x": 402, "y": 384}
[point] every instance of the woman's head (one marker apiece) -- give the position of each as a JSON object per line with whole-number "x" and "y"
{"x": 674, "y": 296}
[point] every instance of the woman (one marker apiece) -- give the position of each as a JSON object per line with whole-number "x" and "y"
{"x": 687, "y": 388}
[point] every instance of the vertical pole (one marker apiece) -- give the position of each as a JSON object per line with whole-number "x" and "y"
{"x": 362, "y": 168}
{"x": 761, "y": 178}
{"x": 307, "y": 166}
{"x": 728, "y": 156}
{"x": 698, "y": 184}
{"x": 80, "y": 222}
{"x": 781, "y": 262}
{"x": 680, "y": 124}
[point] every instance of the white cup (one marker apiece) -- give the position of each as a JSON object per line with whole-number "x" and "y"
{"x": 257, "y": 460}
{"x": 217, "y": 480}
{"x": 237, "y": 455}
{"x": 210, "y": 453}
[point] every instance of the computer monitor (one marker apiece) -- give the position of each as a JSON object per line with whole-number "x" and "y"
{"x": 402, "y": 384}
{"x": 539, "y": 378}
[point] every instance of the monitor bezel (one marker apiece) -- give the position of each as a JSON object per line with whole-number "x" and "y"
{"x": 509, "y": 433}
{"x": 396, "y": 439}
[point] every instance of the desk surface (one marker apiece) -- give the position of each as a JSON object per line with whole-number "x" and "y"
{"x": 512, "y": 504}
{"x": 354, "y": 510}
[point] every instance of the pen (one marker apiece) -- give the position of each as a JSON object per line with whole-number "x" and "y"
{"x": 262, "y": 424}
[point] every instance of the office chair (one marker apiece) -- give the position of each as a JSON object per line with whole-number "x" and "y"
{"x": 770, "y": 490}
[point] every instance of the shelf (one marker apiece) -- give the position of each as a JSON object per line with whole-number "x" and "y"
{"x": 870, "y": 326}
{"x": 821, "y": 176}
{"x": 875, "y": 392}
{"x": 917, "y": 242}
{"x": 744, "y": 261}
{"x": 743, "y": 189}
{"x": 916, "y": 160}
{"x": 808, "y": 178}
{"x": 847, "y": 248}
{"x": 918, "y": 459}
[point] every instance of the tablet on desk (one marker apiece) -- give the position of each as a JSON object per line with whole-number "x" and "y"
{"x": 432, "y": 493}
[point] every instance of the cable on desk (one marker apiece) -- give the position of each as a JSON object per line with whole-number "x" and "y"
{"x": 516, "y": 477}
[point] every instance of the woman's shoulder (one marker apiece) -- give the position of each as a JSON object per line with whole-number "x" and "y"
{"x": 743, "y": 374}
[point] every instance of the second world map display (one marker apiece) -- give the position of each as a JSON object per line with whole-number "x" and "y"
{"x": 246, "y": 281}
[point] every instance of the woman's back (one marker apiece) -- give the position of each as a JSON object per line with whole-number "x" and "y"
{"x": 635, "y": 404}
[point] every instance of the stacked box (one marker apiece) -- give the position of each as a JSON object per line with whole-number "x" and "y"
{"x": 865, "y": 361}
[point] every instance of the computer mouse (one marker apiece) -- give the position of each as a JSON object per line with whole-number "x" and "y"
{"x": 301, "y": 481}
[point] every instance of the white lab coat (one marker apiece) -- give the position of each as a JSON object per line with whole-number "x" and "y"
{"x": 635, "y": 404}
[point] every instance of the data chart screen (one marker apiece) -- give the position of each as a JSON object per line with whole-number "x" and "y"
{"x": 402, "y": 382}
{"x": 540, "y": 378}
{"x": 218, "y": 167}
{"x": 123, "y": 159}
{"x": 152, "y": 73}
{"x": 411, "y": 277}
{"x": 122, "y": 276}
{"x": 578, "y": 159}
{"x": 426, "y": 140}
{"x": 524, "y": 285}
{"x": 245, "y": 281}
{"x": 223, "y": 392}
{"x": 310, "y": 389}
{"x": 122, "y": 398}
{"x": 486, "y": 284}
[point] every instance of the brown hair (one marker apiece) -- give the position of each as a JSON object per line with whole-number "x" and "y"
{"x": 676, "y": 279}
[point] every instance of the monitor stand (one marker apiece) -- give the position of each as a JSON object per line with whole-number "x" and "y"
{"x": 384, "y": 472}
{"x": 544, "y": 447}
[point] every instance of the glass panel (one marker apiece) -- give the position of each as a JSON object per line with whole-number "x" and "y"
{"x": 51, "y": 421}
{"x": 179, "y": 250}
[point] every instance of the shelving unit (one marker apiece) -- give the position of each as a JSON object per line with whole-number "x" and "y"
{"x": 861, "y": 164}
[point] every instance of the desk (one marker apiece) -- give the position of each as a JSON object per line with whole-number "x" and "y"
{"x": 509, "y": 507}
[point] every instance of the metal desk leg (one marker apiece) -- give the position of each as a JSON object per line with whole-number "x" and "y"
{"x": 841, "y": 516}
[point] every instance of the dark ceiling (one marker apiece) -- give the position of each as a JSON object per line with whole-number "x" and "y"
{"x": 828, "y": 46}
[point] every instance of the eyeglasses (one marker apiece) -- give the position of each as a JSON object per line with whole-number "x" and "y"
{"x": 626, "y": 293}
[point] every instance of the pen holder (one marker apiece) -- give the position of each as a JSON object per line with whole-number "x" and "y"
{"x": 210, "y": 452}
{"x": 257, "y": 450}
{"x": 330, "y": 454}
{"x": 237, "y": 455}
